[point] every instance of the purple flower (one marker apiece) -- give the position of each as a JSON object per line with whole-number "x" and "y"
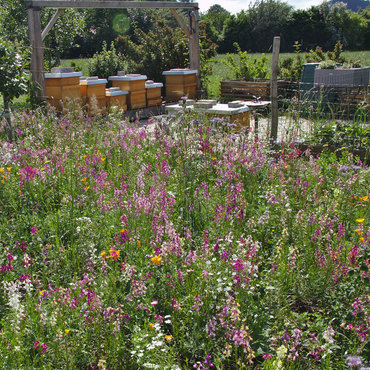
{"x": 353, "y": 361}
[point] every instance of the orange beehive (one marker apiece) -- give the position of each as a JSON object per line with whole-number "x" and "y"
{"x": 115, "y": 97}
{"x": 153, "y": 93}
{"x": 135, "y": 85}
{"x": 62, "y": 84}
{"x": 93, "y": 93}
{"x": 180, "y": 82}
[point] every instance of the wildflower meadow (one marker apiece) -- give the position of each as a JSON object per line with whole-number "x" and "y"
{"x": 179, "y": 244}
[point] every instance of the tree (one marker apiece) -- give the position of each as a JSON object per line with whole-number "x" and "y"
{"x": 12, "y": 76}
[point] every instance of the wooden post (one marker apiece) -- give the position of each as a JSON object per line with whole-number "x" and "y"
{"x": 37, "y": 57}
{"x": 274, "y": 88}
{"x": 194, "y": 49}
{"x": 51, "y": 23}
{"x": 180, "y": 22}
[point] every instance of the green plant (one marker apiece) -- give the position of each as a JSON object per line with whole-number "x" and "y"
{"x": 291, "y": 68}
{"x": 12, "y": 76}
{"x": 246, "y": 67}
{"x": 327, "y": 64}
{"x": 107, "y": 62}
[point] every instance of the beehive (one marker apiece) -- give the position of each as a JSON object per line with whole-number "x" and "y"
{"x": 135, "y": 85}
{"x": 153, "y": 93}
{"x": 93, "y": 93}
{"x": 62, "y": 84}
{"x": 180, "y": 82}
{"x": 115, "y": 97}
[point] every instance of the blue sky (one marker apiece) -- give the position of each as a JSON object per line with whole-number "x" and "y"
{"x": 235, "y": 6}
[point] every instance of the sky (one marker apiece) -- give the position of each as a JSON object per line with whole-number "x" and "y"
{"x": 235, "y": 6}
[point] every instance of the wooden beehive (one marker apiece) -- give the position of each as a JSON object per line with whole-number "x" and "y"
{"x": 153, "y": 93}
{"x": 93, "y": 94}
{"x": 115, "y": 97}
{"x": 180, "y": 82}
{"x": 135, "y": 85}
{"x": 61, "y": 85}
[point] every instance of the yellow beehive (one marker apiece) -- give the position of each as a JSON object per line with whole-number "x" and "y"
{"x": 62, "y": 84}
{"x": 93, "y": 94}
{"x": 135, "y": 85}
{"x": 115, "y": 97}
{"x": 153, "y": 93}
{"x": 180, "y": 82}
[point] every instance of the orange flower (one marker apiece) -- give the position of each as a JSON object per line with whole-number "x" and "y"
{"x": 156, "y": 260}
{"x": 359, "y": 231}
{"x": 114, "y": 254}
{"x": 151, "y": 326}
{"x": 362, "y": 239}
{"x": 1, "y": 170}
{"x": 168, "y": 338}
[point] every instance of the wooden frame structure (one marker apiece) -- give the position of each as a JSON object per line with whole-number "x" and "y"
{"x": 37, "y": 35}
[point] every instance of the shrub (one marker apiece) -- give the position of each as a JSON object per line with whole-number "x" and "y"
{"x": 246, "y": 67}
{"x": 107, "y": 62}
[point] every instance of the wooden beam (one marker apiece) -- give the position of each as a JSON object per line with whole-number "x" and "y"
{"x": 107, "y": 4}
{"x": 180, "y": 22}
{"x": 51, "y": 23}
{"x": 274, "y": 88}
{"x": 194, "y": 49}
{"x": 37, "y": 57}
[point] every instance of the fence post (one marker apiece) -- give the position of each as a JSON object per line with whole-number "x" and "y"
{"x": 37, "y": 57}
{"x": 274, "y": 88}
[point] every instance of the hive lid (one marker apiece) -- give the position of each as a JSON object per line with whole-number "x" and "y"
{"x": 129, "y": 77}
{"x": 94, "y": 80}
{"x": 180, "y": 71}
{"x": 56, "y": 74}
{"x": 153, "y": 85}
{"x": 115, "y": 91}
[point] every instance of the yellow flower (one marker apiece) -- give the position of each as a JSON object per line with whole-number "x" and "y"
{"x": 287, "y": 166}
{"x": 360, "y": 220}
{"x": 343, "y": 147}
{"x": 168, "y": 338}
{"x": 114, "y": 253}
{"x": 8, "y": 169}
{"x": 102, "y": 159}
{"x": 325, "y": 145}
{"x": 156, "y": 260}
{"x": 42, "y": 292}
{"x": 103, "y": 254}
{"x": 1, "y": 170}
{"x": 2, "y": 181}
{"x": 365, "y": 198}
{"x": 67, "y": 331}
{"x": 151, "y": 326}
{"x": 87, "y": 188}
{"x": 47, "y": 162}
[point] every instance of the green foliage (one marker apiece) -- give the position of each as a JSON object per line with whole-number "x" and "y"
{"x": 246, "y": 67}
{"x": 155, "y": 51}
{"x": 290, "y": 68}
{"x": 107, "y": 63}
{"x": 12, "y": 74}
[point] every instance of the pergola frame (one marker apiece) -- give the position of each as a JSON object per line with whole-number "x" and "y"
{"x": 37, "y": 35}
